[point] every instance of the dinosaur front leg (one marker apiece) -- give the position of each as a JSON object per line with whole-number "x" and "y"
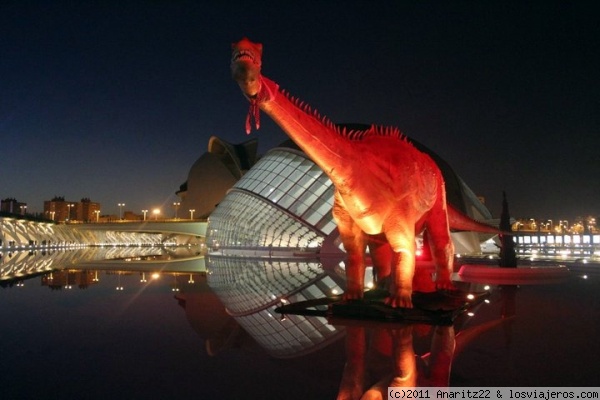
{"x": 354, "y": 241}
{"x": 403, "y": 270}
{"x": 400, "y": 234}
{"x": 381, "y": 257}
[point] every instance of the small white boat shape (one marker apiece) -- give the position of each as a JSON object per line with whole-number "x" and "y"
{"x": 525, "y": 275}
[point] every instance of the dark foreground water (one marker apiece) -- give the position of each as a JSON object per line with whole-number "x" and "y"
{"x": 170, "y": 337}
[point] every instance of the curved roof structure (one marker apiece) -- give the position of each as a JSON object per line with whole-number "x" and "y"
{"x": 215, "y": 172}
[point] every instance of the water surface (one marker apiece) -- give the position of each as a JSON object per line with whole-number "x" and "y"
{"x": 78, "y": 337}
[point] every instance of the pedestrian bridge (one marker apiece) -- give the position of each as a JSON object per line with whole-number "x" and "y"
{"x": 17, "y": 233}
{"x": 175, "y": 227}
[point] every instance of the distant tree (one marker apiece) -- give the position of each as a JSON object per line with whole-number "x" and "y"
{"x": 508, "y": 256}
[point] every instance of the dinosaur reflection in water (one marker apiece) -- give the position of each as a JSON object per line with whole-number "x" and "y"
{"x": 383, "y": 355}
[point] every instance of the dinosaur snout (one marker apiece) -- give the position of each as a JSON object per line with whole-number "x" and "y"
{"x": 247, "y": 77}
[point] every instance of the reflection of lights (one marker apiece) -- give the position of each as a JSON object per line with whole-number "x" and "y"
{"x": 175, "y": 288}
{"x": 143, "y": 278}
{"x": 334, "y": 291}
{"x": 491, "y": 257}
{"x": 191, "y": 280}
{"x": 470, "y": 296}
{"x": 584, "y": 276}
{"x": 155, "y": 275}
{"x": 458, "y": 255}
{"x": 487, "y": 301}
{"x": 370, "y": 285}
{"x": 119, "y": 287}
{"x": 470, "y": 314}
{"x": 20, "y": 284}
{"x": 284, "y": 301}
{"x": 95, "y": 278}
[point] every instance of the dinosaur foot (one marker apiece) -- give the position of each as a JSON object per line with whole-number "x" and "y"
{"x": 445, "y": 284}
{"x": 353, "y": 295}
{"x": 401, "y": 299}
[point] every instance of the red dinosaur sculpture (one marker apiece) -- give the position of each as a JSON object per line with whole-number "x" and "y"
{"x": 386, "y": 191}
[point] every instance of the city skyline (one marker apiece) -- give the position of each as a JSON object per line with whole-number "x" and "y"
{"x": 116, "y": 101}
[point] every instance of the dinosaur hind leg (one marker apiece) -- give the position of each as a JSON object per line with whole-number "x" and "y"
{"x": 442, "y": 249}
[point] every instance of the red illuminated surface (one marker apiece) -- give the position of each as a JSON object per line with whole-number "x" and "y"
{"x": 386, "y": 191}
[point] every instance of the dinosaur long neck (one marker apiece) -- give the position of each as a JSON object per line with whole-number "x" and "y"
{"x": 316, "y": 136}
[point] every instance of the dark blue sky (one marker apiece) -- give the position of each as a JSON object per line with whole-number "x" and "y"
{"x": 115, "y": 100}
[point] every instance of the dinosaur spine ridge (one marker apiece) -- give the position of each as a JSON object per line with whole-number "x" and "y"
{"x": 350, "y": 134}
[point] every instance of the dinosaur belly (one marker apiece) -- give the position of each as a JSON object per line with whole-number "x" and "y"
{"x": 371, "y": 225}
{"x": 367, "y": 216}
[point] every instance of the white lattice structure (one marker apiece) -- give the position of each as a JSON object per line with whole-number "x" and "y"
{"x": 20, "y": 234}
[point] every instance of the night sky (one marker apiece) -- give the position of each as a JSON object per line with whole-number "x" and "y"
{"x": 116, "y": 100}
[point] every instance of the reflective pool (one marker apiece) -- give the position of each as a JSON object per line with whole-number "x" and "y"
{"x": 129, "y": 331}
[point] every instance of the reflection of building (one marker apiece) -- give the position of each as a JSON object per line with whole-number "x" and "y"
{"x": 209, "y": 319}
{"x": 213, "y": 174}
{"x": 284, "y": 204}
{"x": 251, "y": 289}
{"x": 68, "y": 279}
{"x": 60, "y": 210}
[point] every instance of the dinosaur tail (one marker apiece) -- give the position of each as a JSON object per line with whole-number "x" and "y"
{"x": 461, "y": 222}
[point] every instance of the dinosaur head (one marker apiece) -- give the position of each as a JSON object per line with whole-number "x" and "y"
{"x": 245, "y": 66}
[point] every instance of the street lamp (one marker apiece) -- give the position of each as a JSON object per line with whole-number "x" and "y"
{"x": 176, "y": 205}
{"x": 97, "y": 212}
{"x": 145, "y": 212}
{"x": 121, "y": 205}
{"x": 69, "y": 206}
{"x": 192, "y": 213}
{"x": 156, "y": 211}
{"x": 23, "y": 209}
